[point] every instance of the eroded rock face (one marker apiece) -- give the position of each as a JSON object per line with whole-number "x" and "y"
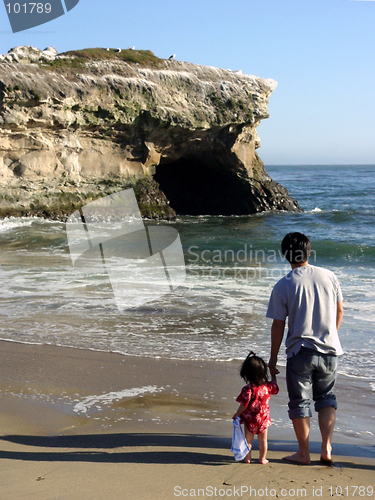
{"x": 79, "y": 125}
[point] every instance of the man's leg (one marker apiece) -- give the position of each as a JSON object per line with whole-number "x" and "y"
{"x": 325, "y": 401}
{"x": 327, "y": 418}
{"x": 298, "y": 378}
{"x": 302, "y": 430}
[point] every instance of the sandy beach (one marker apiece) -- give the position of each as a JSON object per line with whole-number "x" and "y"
{"x": 83, "y": 424}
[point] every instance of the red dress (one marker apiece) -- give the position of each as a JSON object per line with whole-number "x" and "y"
{"x": 256, "y": 417}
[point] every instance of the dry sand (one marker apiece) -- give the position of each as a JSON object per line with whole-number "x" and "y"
{"x": 170, "y": 441}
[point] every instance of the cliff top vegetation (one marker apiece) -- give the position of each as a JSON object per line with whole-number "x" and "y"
{"x": 76, "y": 58}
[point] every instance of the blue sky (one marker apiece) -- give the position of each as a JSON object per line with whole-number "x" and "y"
{"x": 321, "y": 53}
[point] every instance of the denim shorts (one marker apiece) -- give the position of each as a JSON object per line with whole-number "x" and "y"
{"x": 310, "y": 368}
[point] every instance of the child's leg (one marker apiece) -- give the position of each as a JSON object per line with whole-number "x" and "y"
{"x": 263, "y": 447}
{"x": 249, "y": 436}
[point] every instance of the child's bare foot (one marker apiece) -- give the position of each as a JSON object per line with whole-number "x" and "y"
{"x": 247, "y": 459}
{"x": 263, "y": 461}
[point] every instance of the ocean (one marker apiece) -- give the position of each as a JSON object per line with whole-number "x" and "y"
{"x": 232, "y": 264}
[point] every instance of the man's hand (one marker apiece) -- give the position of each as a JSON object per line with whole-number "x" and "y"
{"x": 272, "y": 366}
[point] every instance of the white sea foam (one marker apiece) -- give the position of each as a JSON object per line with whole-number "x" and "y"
{"x": 106, "y": 399}
{"x": 218, "y": 314}
{"x": 14, "y": 222}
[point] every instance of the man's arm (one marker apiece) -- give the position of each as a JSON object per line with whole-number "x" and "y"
{"x": 277, "y": 334}
{"x": 339, "y": 314}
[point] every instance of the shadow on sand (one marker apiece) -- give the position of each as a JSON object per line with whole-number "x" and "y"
{"x": 112, "y": 448}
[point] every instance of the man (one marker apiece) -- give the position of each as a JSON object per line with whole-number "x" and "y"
{"x": 311, "y": 298}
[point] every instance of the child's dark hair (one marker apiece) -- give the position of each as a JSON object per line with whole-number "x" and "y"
{"x": 254, "y": 370}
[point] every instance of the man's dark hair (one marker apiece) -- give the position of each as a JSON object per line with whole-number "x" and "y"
{"x": 296, "y": 248}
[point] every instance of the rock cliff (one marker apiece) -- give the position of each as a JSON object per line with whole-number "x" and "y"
{"x": 82, "y": 124}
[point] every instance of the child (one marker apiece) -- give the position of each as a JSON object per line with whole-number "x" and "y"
{"x": 254, "y": 410}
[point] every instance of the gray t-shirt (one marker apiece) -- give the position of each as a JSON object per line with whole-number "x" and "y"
{"x": 308, "y": 296}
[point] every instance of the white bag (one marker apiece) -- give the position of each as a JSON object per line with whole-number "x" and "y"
{"x": 240, "y": 448}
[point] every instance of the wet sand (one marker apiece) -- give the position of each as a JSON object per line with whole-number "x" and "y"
{"x": 85, "y": 424}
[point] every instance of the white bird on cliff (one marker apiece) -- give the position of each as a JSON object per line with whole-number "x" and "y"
{"x": 171, "y": 57}
{"x": 118, "y": 51}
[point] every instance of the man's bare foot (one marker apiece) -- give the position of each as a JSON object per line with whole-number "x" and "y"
{"x": 326, "y": 461}
{"x": 326, "y": 455}
{"x": 263, "y": 461}
{"x": 297, "y": 458}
